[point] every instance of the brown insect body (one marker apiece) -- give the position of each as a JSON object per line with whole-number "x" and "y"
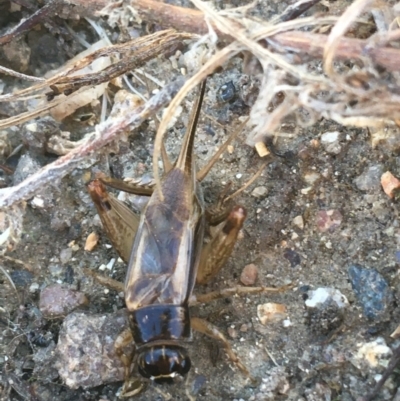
{"x": 163, "y": 265}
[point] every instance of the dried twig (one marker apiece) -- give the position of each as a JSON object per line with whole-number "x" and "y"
{"x": 136, "y": 53}
{"x": 105, "y": 133}
{"x": 51, "y": 8}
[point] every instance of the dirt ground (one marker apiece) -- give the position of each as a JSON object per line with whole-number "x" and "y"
{"x": 346, "y": 219}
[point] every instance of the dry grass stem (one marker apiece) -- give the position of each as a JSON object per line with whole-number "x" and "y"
{"x": 128, "y": 118}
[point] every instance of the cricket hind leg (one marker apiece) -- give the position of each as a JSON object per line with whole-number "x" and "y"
{"x": 210, "y": 330}
{"x": 120, "y": 223}
{"x": 217, "y": 251}
{"x": 125, "y": 350}
{"x": 205, "y": 170}
{"x": 136, "y": 188}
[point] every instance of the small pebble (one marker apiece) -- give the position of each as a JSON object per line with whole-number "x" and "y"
{"x": 33, "y": 287}
{"x": 37, "y": 202}
{"x": 323, "y": 294}
{"x": 375, "y": 353}
{"x": 328, "y": 220}
{"x": 325, "y": 310}
{"x": 91, "y": 241}
{"x": 305, "y": 191}
{"x": 65, "y": 255}
{"x": 292, "y": 256}
{"x": 311, "y": 178}
{"x": 331, "y": 142}
{"x": 56, "y": 301}
{"x": 298, "y": 222}
{"x": 243, "y": 328}
{"x": 21, "y": 278}
{"x": 249, "y": 274}
{"x": 271, "y": 312}
{"x": 372, "y": 291}
{"x": 232, "y": 332}
{"x": 259, "y": 192}
{"x": 390, "y": 184}
{"x": 111, "y": 264}
{"x": 370, "y": 179}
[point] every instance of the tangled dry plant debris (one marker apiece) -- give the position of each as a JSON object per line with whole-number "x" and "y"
{"x": 358, "y": 94}
{"x": 363, "y": 92}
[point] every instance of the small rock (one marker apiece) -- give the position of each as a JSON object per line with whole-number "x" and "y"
{"x": 390, "y": 184}
{"x": 26, "y": 167}
{"x": 85, "y": 351}
{"x": 21, "y": 278}
{"x": 232, "y": 332}
{"x": 321, "y": 295}
{"x": 43, "y": 359}
{"x": 311, "y": 177}
{"x": 259, "y": 192}
{"x": 331, "y": 142}
{"x": 372, "y": 292}
{"x": 275, "y": 384}
{"x": 65, "y": 255}
{"x": 374, "y": 353}
{"x": 243, "y": 328}
{"x": 34, "y": 287}
{"x": 249, "y": 274}
{"x": 56, "y": 301}
{"x": 319, "y": 392}
{"x": 36, "y": 134}
{"x": 271, "y": 312}
{"x": 328, "y": 220}
{"x": 325, "y": 310}
{"x": 370, "y": 179}
{"x": 91, "y": 241}
{"x": 292, "y": 256}
{"x": 299, "y": 222}
{"x": 198, "y": 383}
{"x": 16, "y": 54}
{"x": 37, "y": 202}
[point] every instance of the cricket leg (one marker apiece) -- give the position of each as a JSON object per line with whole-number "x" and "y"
{"x": 124, "y": 348}
{"x": 237, "y": 290}
{"x": 127, "y": 186}
{"x": 210, "y": 330}
{"x": 217, "y": 251}
{"x": 119, "y": 222}
{"x": 204, "y": 171}
{"x": 136, "y": 188}
{"x": 105, "y": 281}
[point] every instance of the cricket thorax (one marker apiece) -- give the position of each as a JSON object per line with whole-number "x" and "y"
{"x": 160, "y": 322}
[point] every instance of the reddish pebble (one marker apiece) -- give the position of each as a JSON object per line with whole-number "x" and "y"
{"x": 328, "y": 220}
{"x": 389, "y": 184}
{"x": 249, "y": 274}
{"x": 56, "y": 301}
